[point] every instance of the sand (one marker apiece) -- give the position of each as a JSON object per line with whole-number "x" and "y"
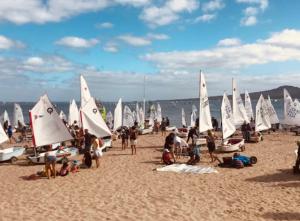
{"x": 126, "y": 187}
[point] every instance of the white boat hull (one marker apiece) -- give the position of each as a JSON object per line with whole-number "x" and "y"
{"x": 12, "y": 152}
{"x": 60, "y": 154}
{"x": 232, "y": 144}
{"x": 182, "y": 132}
{"x": 171, "y": 128}
{"x": 146, "y": 131}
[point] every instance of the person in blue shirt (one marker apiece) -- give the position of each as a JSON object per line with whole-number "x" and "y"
{"x": 247, "y": 161}
{"x": 10, "y": 133}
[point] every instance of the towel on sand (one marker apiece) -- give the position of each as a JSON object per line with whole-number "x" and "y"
{"x": 184, "y": 168}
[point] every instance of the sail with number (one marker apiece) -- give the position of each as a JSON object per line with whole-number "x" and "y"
{"x": 128, "y": 118}
{"x": 228, "y": 127}
{"x": 248, "y": 106}
{"x": 18, "y": 116}
{"x": 118, "y": 115}
{"x": 238, "y": 109}
{"x": 84, "y": 91}
{"x": 92, "y": 120}
{"x": 204, "y": 110}
{"x": 291, "y": 110}
{"x": 272, "y": 113}
{"x": 47, "y": 127}
{"x": 262, "y": 119}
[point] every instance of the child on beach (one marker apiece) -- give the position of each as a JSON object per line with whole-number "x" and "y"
{"x": 133, "y": 134}
{"x": 50, "y": 162}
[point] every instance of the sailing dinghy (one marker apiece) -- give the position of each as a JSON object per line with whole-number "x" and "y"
{"x": 48, "y": 129}
{"x": 228, "y": 129}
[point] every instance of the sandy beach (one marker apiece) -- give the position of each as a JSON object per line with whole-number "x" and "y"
{"x": 127, "y": 187}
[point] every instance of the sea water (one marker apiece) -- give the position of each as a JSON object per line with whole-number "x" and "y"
{"x": 170, "y": 108}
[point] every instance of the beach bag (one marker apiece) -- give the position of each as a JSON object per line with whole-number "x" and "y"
{"x": 238, "y": 164}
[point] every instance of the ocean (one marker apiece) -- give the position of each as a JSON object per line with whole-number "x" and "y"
{"x": 170, "y": 108}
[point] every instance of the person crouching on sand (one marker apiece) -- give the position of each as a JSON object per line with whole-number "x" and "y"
{"x": 133, "y": 134}
{"x": 170, "y": 145}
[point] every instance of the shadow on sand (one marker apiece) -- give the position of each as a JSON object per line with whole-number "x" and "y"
{"x": 282, "y": 216}
{"x": 284, "y": 175}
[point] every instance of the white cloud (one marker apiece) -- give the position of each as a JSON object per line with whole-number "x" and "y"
{"x": 6, "y": 43}
{"x": 135, "y": 41}
{"x": 157, "y": 36}
{"x": 205, "y": 18}
{"x": 213, "y": 5}
{"x": 286, "y": 38}
{"x": 111, "y": 47}
{"x": 250, "y": 13}
{"x": 76, "y": 42}
{"x": 229, "y": 42}
{"x": 34, "y": 61}
{"x": 168, "y": 13}
{"x": 105, "y": 25}
{"x": 249, "y": 21}
{"x": 234, "y": 57}
{"x": 263, "y": 4}
{"x": 41, "y": 11}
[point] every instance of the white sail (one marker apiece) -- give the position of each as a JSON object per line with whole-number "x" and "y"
{"x": 238, "y": 109}
{"x": 84, "y": 91}
{"x": 128, "y": 120}
{"x": 118, "y": 115}
{"x": 152, "y": 115}
{"x": 194, "y": 108}
{"x": 73, "y": 113}
{"x": 272, "y": 113}
{"x": 137, "y": 110}
{"x": 4, "y": 117}
{"x": 262, "y": 119}
{"x": 47, "y": 127}
{"x": 92, "y": 120}
{"x": 142, "y": 118}
{"x": 183, "y": 121}
{"x": 109, "y": 119}
{"x": 204, "y": 110}
{"x": 291, "y": 110}
{"x": 134, "y": 116}
{"x": 193, "y": 119}
{"x": 248, "y": 106}
{"x": 297, "y": 102}
{"x": 62, "y": 115}
{"x": 228, "y": 127}
{"x": 18, "y": 116}
{"x": 3, "y": 135}
{"x": 159, "y": 114}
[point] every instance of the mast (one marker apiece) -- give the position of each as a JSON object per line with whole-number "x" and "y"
{"x": 144, "y": 101}
{"x": 199, "y": 100}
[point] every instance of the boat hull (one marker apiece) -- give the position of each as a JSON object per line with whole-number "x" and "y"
{"x": 232, "y": 144}
{"x": 12, "y": 152}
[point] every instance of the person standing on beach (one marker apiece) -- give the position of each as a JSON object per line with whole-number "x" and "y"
{"x": 163, "y": 127}
{"x": 210, "y": 139}
{"x": 50, "y": 162}
{"x": 96, "y": 149}
{"x": 192, "y": 134}
{"x": 133, "y": 134}
{"x": 87, "y": 140}
{"x": 10, "y": 133}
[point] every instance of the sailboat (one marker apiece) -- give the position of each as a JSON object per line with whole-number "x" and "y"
{"x": 9, "y": 154}
{"x": 48, "y": 129}
{"x": 228, "y": 129}
{"x": 272, "y": 113}
{"x": 118, "y": 116}
{"x": 109, "y": 119}
{"x": 73, "y": 113}
{"x": 18, "y": 116}
{"x": 4, "y": 117}
{"x": 90, "y": 115}
{"x": 62, "y": 116}
{"x": 182, "y": 131}
{"x": 128, "y": 118}
{"x": 291, "y": 110}
{"x": 238, "y": 109}
{"x": 262, "y": 119}
{"x": 248, "y": 106}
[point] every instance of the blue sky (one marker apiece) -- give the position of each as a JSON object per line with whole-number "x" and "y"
{"x": 45, "y": 46}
